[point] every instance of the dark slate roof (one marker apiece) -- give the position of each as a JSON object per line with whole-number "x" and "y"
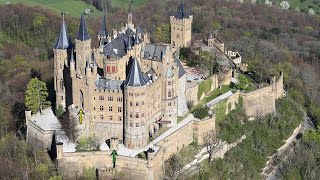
{"x": 83, "y": 31}
{"x": 104, "y": 83}
{"x": 150, "y": 75}
{"x": 118, "y": 46}
{"x": 103, "y": 28}
{"x": 63, "y": 39}
{"x": 136, "y": 38}
{"x": 181, "y": 13}
{"x": 135, "y": 77}
{"x": 154, "y": 52}
{"x": 181, "y": 69}
{"x": 139, "y": 30}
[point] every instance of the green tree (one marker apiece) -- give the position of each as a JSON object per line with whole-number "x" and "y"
{"x": 162, "y": 33}
{"x": 36, "y": 95}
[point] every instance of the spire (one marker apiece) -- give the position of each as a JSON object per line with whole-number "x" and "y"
{"x": 135, "y": 77}
{"x": 129, "y": 45}
{"x": 63, "y": 39}
{"x": 181, "y": 13}
{"x": 136, "y": 40}
{"x": 211, "y": 36}
{"x": 103, "y": 28}
{"x": 82, "y": 32}
{"x": 129, "y": 7}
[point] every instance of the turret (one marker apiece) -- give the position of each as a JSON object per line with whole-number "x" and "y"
{"x": 60, "y": 51}
{"x": 103, "y": 34}
{"x": 130, "y": 24}
{"x": 211, "y": 39}
{"x": 136, "y": 134}
{"x": 83, "y": 46}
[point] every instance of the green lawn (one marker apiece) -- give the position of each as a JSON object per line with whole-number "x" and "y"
{"x": 73, "y": 7}
{"x": 124, "y": 3}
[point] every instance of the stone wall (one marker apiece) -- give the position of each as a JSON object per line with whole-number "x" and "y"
{"x": 136, "y": 168}
{"x": 261, "y": 101}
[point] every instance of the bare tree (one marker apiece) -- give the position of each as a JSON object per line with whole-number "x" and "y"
{"x": 69, "y": 125}
{"x": 173, "y": 168}
{"x": 211, "y": 141}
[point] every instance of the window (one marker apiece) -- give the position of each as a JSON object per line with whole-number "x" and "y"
{"x": 119, "y": 118}
{"x": 169, "y": 83}
{"x": 101, "y": 108}
{"x": 110, "y": 98}
{"x": 137, "y": 103}
{"x": 119, "y": 109}
{"x": 137, "y": 124}
{"x": 101, "y": 98}
{"x": 131, "y": 115}
{"x": 110, "y": 118}
{"x": 169, "y": 93}
{"x": 169, "y": 103}
{"x": 110, "y": 108}
{"x": 137, "y": 115}
{"x": 131, "y": 124}
{"x": 101, "y": 117}
{"x": 130, "y": 103}
{"x": 178, "y": 36}
{"x": 119, "y": 99}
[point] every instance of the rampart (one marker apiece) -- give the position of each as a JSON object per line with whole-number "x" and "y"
{"x": 260, "y": 102}
{"x": 132, "y": 167}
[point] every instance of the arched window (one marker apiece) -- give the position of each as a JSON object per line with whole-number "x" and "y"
{"x": 169, "y": 93}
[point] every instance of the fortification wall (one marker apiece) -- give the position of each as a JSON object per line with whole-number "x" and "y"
{"x": 75, "y": 162}
{"x": 259, "y": 102}
{"x": 135, "y": 168}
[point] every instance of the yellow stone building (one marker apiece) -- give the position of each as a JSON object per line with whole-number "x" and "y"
{"x": 127, "y": 87}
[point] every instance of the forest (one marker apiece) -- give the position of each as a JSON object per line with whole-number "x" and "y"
{"x": 269, "y": 39}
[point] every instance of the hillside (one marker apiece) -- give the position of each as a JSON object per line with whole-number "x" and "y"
{"x": 269, "y": 39}
{"x": 302, "y": 5}
{"x": 73, "y": 7}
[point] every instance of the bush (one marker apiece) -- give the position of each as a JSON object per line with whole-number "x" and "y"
{"x": 190, "y": 104}
{"x": 87, "y": 144}
{"x": 201, "y": 112}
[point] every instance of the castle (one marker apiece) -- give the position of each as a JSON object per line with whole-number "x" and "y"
{"x": 127, "y": 87}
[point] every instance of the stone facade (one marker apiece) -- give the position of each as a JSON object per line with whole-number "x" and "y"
{"x": 127, "y": 87}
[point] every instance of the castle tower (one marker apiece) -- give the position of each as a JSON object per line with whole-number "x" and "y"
{"x": 135, "y": 127}
{"x": 181, "y": 23}
{"x": 83, "y": 47}
{"x": 60, "y": 51}
{"x": 103, "y": 34}
{"x": 211, "y": 40}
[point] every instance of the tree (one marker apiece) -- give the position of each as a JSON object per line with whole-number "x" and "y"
{"x": 211, "y": 141}
{"x": 69, "y": 125}
{"x": 173, "y": 168}
{"x": 36, "y": 95}
{"x": 162, "y": 33}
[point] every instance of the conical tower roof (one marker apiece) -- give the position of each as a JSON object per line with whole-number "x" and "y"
{"x": 135, "y": 77}
{"x": 63, "y": 39}
{"x": 83, "y": 31}
{"x": 103, "y": 28}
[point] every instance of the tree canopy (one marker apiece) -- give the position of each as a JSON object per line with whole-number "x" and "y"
{"x": 36, "y": 95}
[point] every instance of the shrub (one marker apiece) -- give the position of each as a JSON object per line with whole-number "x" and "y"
{"x": 87, "y": 144}
{"x": 201, "y": 112}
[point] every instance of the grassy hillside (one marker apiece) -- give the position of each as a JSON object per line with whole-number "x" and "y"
{"x": 124, "y": 3}
{"x": 73, "y": 7}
